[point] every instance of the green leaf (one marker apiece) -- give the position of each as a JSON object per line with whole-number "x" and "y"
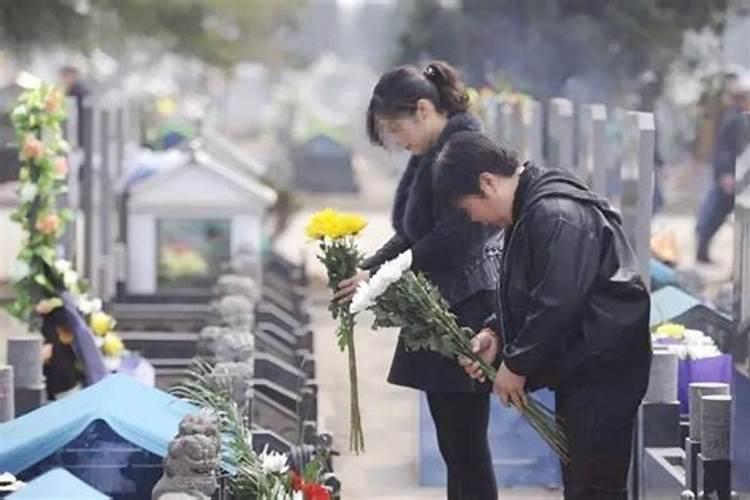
{"x": 42, "y": 280}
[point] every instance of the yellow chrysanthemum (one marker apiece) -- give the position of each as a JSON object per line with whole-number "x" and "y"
{"x": 112, "y": 345}
{"x": 354, "y": 224}
{"x": 331, "y": 224}
{"x": 671, "y": 330}
{"x": 101, "y": 323}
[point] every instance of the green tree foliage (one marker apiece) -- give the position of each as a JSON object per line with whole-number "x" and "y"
{"x": 541, "y": 44}
{"x": 219, "y": 32}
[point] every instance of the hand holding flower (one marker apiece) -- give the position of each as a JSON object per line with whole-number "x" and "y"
{"x": 486, "y": 345}
{"x": 348, "y": 287}
{"x": 510, "y": 387}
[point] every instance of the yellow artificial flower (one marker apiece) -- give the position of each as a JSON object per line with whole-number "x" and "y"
{"x": 332, "y": 224}
{"x": 101, "y": 323}
{"x": 112, "y": 345}
{"x": 671, "y": 330}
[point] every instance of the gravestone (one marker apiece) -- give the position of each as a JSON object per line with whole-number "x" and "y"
{"x": 323, "y": 165}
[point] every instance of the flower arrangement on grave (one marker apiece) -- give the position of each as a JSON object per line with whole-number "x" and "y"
{"x": 259, "y": 476}
{"x": 40, "y": 277}
{"x": 336, "y": 234}
{"x": 401, "y": 298}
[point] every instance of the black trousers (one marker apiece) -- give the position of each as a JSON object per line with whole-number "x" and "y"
{"x": 598, "y": 410}
{"x": 461, "y": 421}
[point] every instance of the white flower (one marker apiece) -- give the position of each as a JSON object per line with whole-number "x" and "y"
{"x": 19, "y": 271}
{"x": 298, "y": 495}
{"x": 361, "y": 299}
{"x": 404, "y": 260}
{"x": 70, "y": 278}
{"x": 28, "y": 192}
{"x": 273, "y": 462}
{"x": 89, "y": 306}
{"x": 62, "y": 266}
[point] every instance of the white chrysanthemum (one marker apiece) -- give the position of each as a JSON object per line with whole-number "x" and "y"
{"x": 404, "y": 261}
{"x": 28, "y": 192}
{"x": 70, "y": 279}
{"x": 273, "y": 462}
{"x": 62, "y": 266}
{"x": 89, "y": 306}
{"x": 362, "y": 298}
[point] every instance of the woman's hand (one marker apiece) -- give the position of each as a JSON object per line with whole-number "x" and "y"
{"x": 348, "y": 286}
{"x": 486, "y": 344}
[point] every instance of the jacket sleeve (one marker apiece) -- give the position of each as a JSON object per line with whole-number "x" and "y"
{"x": 562, "y": 266}
{"x": 388, "y": 251}
{"x": 444, "y": 243}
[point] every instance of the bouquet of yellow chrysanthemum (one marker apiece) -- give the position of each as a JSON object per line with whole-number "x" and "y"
{"x": 336, "y": 233}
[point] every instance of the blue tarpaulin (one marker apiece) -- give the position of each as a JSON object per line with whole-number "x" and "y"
{"x": 147, "y": 417}
{"x": 57, "y": 484}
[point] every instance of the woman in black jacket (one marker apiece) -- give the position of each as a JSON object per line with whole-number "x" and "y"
{"x": 419, "y": 111}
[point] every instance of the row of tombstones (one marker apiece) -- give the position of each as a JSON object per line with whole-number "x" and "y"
{"x": 259, "y": 346}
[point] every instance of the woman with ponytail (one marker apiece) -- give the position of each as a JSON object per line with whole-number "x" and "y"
{"x": 419, "y": 110}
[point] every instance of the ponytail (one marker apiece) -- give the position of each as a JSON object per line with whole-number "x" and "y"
{"x": 450, "y": 87}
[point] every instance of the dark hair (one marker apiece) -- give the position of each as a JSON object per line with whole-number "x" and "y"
{"x": 398, "y": 90}
{"x": 465, "y": 156}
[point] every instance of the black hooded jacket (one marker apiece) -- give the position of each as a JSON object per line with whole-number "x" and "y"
{"x": 570, "y": 293}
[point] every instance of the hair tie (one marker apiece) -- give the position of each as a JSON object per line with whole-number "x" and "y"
{"x": 431, "y": 72}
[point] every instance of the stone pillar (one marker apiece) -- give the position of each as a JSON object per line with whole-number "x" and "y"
{"x": 560, "y": 130}
{"x": 7, "y": 396}
{"x": 534, "y": 128}
{"x": 697, "y": 391}
{"x": 716, "y": 417}
{"x": 25, "y": 356}
{"x": 592, "y": 159}
{"x": 662, "y": 385}
{"x": 638, "y": 185}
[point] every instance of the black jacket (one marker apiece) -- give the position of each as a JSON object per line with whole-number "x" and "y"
{"x": 460, "y": 257}
{"x": 570, "y": 294}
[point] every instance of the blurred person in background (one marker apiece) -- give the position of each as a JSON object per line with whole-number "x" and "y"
{"x": 730, "y": 141}
{"x": 419, "y": 110}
